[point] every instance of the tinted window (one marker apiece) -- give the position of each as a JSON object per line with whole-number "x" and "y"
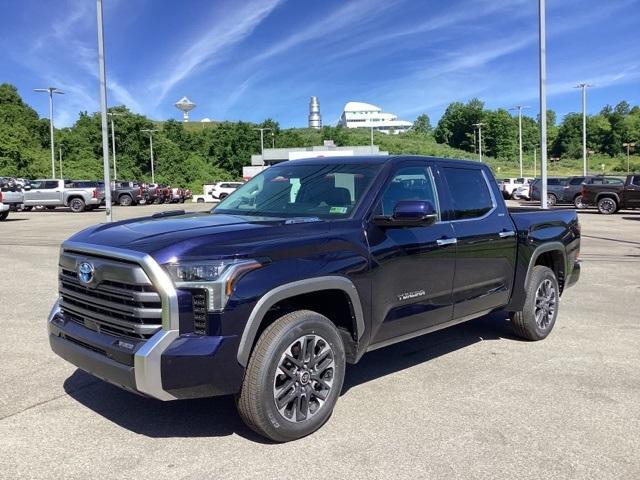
{"x": 636, "y": 181}
{"x": 576, "y": 181}
{"x": 49, "y": 185}
{"x": 615, "y": 181}
{"x": 469, "y": 191}
{"x": 408, "y": 183}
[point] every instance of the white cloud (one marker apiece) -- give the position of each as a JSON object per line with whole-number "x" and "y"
{"x": 229, "y": 28}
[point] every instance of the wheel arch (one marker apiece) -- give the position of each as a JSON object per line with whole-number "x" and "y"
{"x": 613, "y": 195}
{"x": 297, "y": 290}
{"x": 552, "y": 255}
{"x": 73, "y": 197}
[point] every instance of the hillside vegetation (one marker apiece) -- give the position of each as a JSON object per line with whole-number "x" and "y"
{"x": 197, "y": 153}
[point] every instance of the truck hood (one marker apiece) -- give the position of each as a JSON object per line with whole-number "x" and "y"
{"x": 198, "y": 234}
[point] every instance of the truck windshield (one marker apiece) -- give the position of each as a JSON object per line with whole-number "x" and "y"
{"x": 323, "y": 191}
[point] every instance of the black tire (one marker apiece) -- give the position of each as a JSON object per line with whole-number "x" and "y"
{"x": 540, "y": 311}
{"x": 256, "y": 401}
{"x": 552, "y": 200}
{"x": 3, "y": 216}
{"x": 222, "y": 196}
{"x": 200, "y": 200}
{"x": 607, "y": 206}
{"x": 27, "y": 209}
{"x": 125, "y": 200}
{"x": 577, "y": 202}
{"x": 77, "y": 205}
{"x": 157, "y": 201}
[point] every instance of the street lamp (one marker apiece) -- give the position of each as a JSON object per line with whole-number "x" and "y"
{"x": 51, "y": 91}
{"x": 102, "y": 75}
{"x": 273, "y": 140}
{"x": 519, "y": 108}
{"x": 113, "y": 142}
{"x": 584, "y": 87}
{"x": 543, "y": 102}
{"x": 262, "y": 130}
{"x": 479, "y": 126}
{"x": 151, "y": 132}
{"x": 629, "y": 145}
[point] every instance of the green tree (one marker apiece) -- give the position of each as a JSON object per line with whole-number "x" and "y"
{"x": 422, "y": 124}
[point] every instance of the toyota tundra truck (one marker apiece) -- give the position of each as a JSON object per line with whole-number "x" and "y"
{"x": 300, "y": 272}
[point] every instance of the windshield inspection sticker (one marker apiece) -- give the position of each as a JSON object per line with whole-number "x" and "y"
{"x": 338, "y": 210}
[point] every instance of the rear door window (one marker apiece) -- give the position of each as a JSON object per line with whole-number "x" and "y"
{"x": 469, "y": 191}
{"x": 576, "y": 181}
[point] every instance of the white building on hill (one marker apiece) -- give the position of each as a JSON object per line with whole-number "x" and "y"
{"x": 365, "y": 115}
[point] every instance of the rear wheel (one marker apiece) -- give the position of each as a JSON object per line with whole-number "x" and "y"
{"x": 77, "y": 205}
{"x": 537, "y": 318}
{"x": 607, "y": 206}
{"x": 200, "y": 200}
{"x": 222, "y": 196}
{"x": 552, "y": 200}
{"x": 3, "y": 216}
{"x": 293, "y": 378}
{"x": 125, "y": 200}
{"x": 578, "y": 203}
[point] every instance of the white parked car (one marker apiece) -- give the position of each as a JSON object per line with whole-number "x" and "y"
{"x": 221, "y": 190}
{"x": 509, "y": 186}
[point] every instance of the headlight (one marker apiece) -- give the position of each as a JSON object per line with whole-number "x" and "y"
{"x": 217, "y": 277}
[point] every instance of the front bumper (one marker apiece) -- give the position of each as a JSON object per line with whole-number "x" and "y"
{"x": 165, "y": 367}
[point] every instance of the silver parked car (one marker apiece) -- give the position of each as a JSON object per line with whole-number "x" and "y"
{"x": 79, "y": 195}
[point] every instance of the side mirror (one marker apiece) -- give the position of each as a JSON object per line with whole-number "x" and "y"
{"x": 409, "y": 213}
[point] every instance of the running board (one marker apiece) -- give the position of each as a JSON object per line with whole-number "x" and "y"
{"x": 424, "y": 331}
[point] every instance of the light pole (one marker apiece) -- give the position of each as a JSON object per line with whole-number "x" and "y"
{"x": 102, "y": 74}
{"x": 584, "y": 87}
{"x": 113, "y": 142}
{"x": 60, "y": 158}
{"x": 273, "y": 140}
{"x": 151, "y": 132}
{"x": 543, "y": 102}
{"x": 519, "y": 108}
{"x": 479, "y": 127}
{"x": 629, "y": 145}
{"x": 51, "y": 91}
{"x": 535, "y": 151}
{"x": 262, "y": 130}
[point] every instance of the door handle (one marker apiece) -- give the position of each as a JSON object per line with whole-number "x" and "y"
{"x": 506, "y": 234}
{"x": 446, "y": 241}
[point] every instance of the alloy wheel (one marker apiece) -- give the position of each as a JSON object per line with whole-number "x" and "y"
{"x": 304, "y": 378}
{"x": 545, "y": 307}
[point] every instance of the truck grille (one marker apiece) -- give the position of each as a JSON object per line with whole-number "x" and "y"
{"x": 119, "y": 301}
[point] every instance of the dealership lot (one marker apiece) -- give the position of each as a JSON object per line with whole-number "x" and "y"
{"x": 468, "y": 402}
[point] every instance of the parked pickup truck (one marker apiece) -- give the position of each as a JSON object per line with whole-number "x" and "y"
{"x": 11, "y": 197}
{"x": 302, "y": 270}
{"x": 128, "y": 193}
{"x": 613, "y": 196}
{"x": 78, "y": 195}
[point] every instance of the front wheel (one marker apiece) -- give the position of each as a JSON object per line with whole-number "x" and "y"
{"x": 552, "y": 200}
{"x": 579, "y": 203}
{"x": 536, "y": 320}
{"x": 607, "y": 206}
{"x": 294, "y": 377}
{"x": 3, "y": 216}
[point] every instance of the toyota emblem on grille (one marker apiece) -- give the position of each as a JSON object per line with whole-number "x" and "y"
{"x": 85, "y": 272}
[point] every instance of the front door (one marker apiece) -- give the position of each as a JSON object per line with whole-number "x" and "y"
{"x": 486, "y": 242}
{"x": 632, "y": 192}
{"x": 413, "y": 267}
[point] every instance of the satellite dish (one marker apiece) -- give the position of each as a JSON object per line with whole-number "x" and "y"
{"x": 185, "y": 105}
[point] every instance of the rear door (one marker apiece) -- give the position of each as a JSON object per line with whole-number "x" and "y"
{"x": 486, "y": 242}
{"x": 43, "y": 192}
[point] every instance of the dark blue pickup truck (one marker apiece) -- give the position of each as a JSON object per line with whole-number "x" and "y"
{"x": 300, "y": 271}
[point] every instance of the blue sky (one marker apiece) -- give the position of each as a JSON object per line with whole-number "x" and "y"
{"x": 253, "y": 59}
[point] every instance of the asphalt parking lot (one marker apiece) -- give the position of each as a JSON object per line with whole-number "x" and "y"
{"x": 468, "y": 402}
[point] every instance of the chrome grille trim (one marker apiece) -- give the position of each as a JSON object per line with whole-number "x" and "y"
{"x": 148, "y": 357}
